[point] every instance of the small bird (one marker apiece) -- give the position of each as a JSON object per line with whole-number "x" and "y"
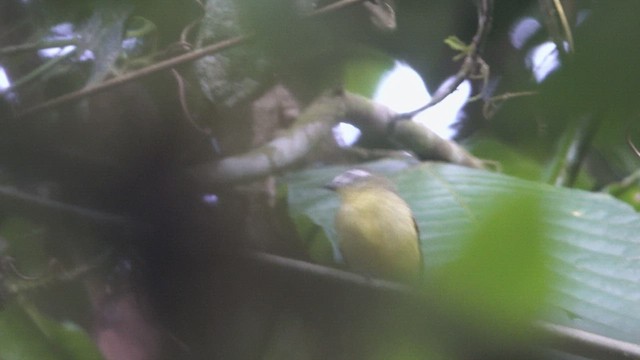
{"x": 377, "y": 233}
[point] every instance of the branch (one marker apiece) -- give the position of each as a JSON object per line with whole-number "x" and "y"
{"x": 19, "y": 284}
{"x": 17, "y": 202}
{"x": 164, "y": 65}
{"x": 557, "y": 23}
{"x": 378, "y": 120}
{"x": 566, "y": 339}
{"x": 39, "y": 71}
{"x": 338, "y": 5}
{"x": 149, "y": 70}
{"x": 471, "y": 60}
{"x": 309, "y": 270}
{"x": 316, "y": 123}
{"x": 17, "y": 49}
{"x": 589, "y": 345}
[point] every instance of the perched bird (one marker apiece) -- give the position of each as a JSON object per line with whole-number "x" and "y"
{"x": 377, "y": 233}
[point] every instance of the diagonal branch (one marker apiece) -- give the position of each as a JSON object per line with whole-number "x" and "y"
{"x": 566, "y": 339}
{"x": 592, "y": 346}
{"x": 471, "y": 61}
{"x": 316, "y": 123}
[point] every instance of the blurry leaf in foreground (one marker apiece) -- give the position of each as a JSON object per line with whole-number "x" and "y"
{"x": 68, "y": 337}
{"x": 501, "y": 277}
{"x": 27, "y": 335}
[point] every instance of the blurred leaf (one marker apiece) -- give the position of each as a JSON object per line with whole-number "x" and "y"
{"x": 456, "y": 44}
{"x": 20, "y": 339}
{"x": 316, "y": 239}
{"x": 102, "y": 34}
{"x": 501, "y": 277}
{"x": 364, "y": 70}
{"x": 26, "y": 244}
{"x": 594, "y": 240}
{"x": 71, "y": 339}
{"x": 26, "y": 335}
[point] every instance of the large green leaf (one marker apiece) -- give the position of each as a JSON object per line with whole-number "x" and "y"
{"x": 593, "y": 240}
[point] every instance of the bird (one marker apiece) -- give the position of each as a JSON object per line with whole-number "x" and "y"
{"x": 377, "y": 233}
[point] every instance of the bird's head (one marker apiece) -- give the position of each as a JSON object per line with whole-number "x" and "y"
{"x": 355, "y": 178}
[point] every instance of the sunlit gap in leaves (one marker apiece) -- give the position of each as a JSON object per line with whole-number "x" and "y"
{"x": 403, "y": 90}
{"x": 63, "y": 31}
{"x": 5, "y": 86}
{"x": 4, "y": 79}
{"x": 523, "y": 30}
{"x": 542, "y": 58}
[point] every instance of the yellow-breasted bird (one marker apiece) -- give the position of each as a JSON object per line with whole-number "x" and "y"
{"x": 377, "y": 233}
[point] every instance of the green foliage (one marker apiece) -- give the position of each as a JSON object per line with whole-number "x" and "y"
{"x": 458, "y": 45}
{"x": 627, "y": 190}
{"x": 20, "y": 337}
{"x": 26, "y": 334}
{"x": 501, "y": 277}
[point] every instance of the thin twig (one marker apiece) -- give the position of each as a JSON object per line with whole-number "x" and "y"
{"x": 493, "y": 103}
{"x": 184, "y": 104}
{"x": 510, "y": 95}
{"x": 485, "y": 18}
{"x": 165, "y": 65}
{"x": 633, "y": 147}
{"x": 334, "y": 7}
{"x": 184, "y": 34}
{"x": 40, "y": 70}
{"x": 17, "y": 202}
{"x": 329, "y": 274}
{"x": 16, "y": 49}
{"x": 565, "y": 23}
{"x": 589, "y": 345}
{"x": 53, "y": 277}
{"x": 149, "y": 70}
{"x": 574, "y": 148}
